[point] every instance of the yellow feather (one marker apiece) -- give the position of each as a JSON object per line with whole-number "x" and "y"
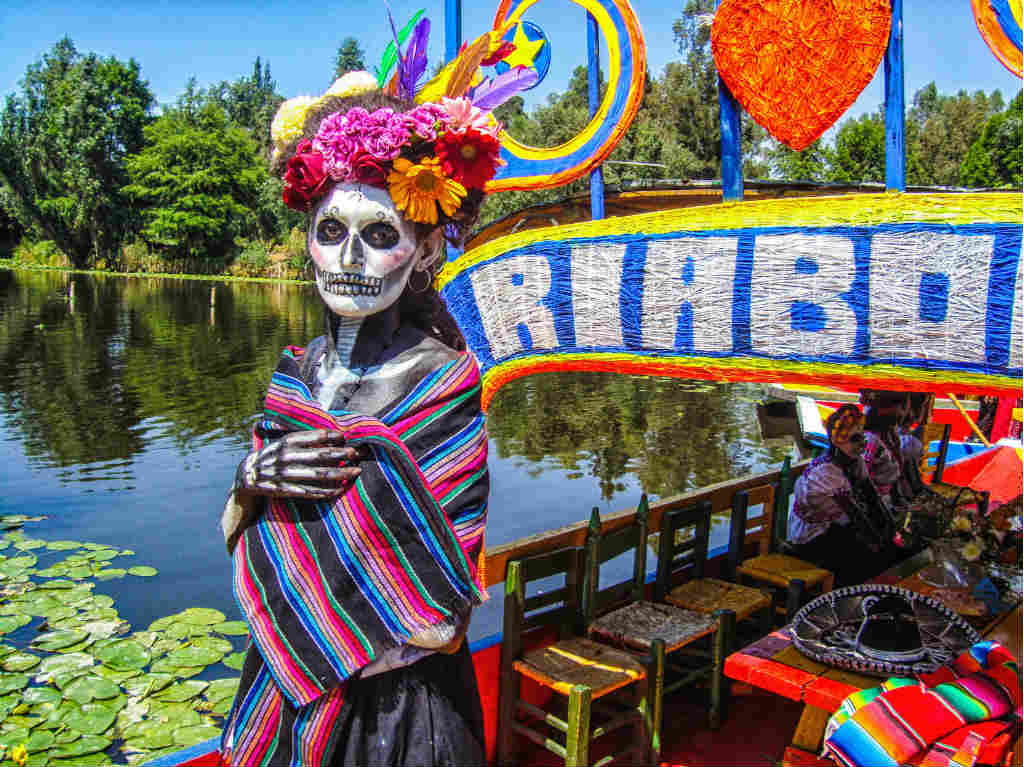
{"x": 462, "y": 72}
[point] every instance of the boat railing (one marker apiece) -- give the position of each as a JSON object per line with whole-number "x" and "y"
{"x": 720, "y": 494}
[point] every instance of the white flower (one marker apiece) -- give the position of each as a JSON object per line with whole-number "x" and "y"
{"x": 290, "y": 118}
{"x": 972, "y": 550}
{"x": 352, "y": 84}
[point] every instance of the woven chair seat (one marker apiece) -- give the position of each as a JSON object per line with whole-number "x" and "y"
{"x": 637, "y": 625}
{"x": 705, "y": 595}
{"x": 569, "y": 662}
{"x": 781, "y": 569}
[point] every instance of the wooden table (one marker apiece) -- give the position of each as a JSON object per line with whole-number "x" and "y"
{"x": 774, "y": 664}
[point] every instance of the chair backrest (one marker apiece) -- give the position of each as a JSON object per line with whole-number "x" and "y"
{"x": 561, "y": 606}
{"x": 932, "y": 432}
{"x": 759, "y": 528}
{"x": 689, "y": 553}
{"x": 602, "y": 547}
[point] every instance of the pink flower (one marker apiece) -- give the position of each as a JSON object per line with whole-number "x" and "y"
{"x": 336, "y": 142}
{"x": 462, "y": 115}
{"x": 383, "y": 133}
{"x": 427, "y": 120}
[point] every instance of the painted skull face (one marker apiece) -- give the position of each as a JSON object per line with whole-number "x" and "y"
{"x": 363, "y": 250}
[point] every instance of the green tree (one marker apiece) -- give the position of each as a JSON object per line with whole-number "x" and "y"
{"x": 197, "y": 182}
{"x": 63, "y": 142}
{"x": 940, "y": 131}
{"x": 349, "y": 57}
{"x": 809, "y": 164}
{"x": 859, "y": 154}
{"x": 995, "y": 158}
{"x": 249, "y": 102}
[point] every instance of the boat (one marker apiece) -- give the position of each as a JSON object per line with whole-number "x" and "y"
{"x": 555, "y": 328}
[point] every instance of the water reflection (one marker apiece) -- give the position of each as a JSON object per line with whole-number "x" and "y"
{"x": 126, "y": 403}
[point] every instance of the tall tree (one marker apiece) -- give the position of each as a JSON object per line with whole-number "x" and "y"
{"x": 63, "y": 142}
{"x": 249, "y": 102}
{"x": 349, "y": 57}
{"x": 859, "y": 154}
{"x": 995, "y": 158}
{"x": 197, "y": 183}
{"x": 809, "y": 164}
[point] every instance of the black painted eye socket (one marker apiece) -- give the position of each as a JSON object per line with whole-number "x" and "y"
{"x": 330, "y": 231}
{"x": 380, "y": 235}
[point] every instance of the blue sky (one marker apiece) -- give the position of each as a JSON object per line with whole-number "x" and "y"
{"x": 216, "y": 40}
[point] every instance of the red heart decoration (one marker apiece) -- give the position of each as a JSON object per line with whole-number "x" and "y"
{"x": 797, "y": 65}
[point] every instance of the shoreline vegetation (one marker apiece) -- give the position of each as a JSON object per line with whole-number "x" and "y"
{"x": 12, "y": 265}
{"x": 96, "y": 174}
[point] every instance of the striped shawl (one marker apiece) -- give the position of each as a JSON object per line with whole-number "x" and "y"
{"x": 907, "y": 722}
{"x": 328, "y": 586}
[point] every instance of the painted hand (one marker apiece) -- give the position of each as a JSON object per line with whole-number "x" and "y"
{"x": 306, "y": 464}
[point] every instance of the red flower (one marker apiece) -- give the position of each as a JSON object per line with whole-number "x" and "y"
{"x": 305, "y": 179}
{"x": 469, "y": 157}
{"x": 367, "y": 169}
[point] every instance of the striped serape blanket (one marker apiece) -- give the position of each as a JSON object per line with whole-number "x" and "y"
{"x": 967, "y": 715}
{"x": 328, "y": 586}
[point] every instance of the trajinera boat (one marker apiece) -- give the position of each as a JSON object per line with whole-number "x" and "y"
{"x": 803, "y": 285}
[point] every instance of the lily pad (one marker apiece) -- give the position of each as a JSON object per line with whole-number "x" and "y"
{"x": 35, "y": 695}
{"x": 79, "y": 572}
{"x": 194, "y": 656}
{"x": 59, "y": 664}
{"x": 88, "y": 743}
{"x": 115, "y": 675}
{"x": 103, "y": 555}
{"x": 86, "y": 689}
{"x": 187, "y": 630}
{"x": 12, "y": 682}
{"x": 124, "y": 654}
{"x": 222, "y": 706}
{"x": 102, "y": 629}
{"x": 91, "y": 719}
{"x": 164, "y": 666}
{"x": 9, "y": 623}
{"x": 14, "y": 737}
{"x": 146, "y": 638}
{"x": 58, "y": 585}
{"x": 189, "y": 736}
{"x": 232, "y": 628}
{"x": 95, "y": 759}
{"x": 58, "y": 640}
{"x": 142, "y": 570}
{"x": 163, "y": 646}
{"x": 151, "y": 740}
{"x": 161, "y": 624}
{"x": 20, "y": 661}
{"x": 39, "y": 740}
{"x": 148, "y": 684}
{"x": 54, "y": 571}
{"x": 102, "y": 600}
{"x": 235, "y": 660}
{"x": 175, "y": 714}
{"x": 27, "y": 544}
{"x": 63, "y": 545}
{"x": 222, "y": 688}
{"x": 215, "y": 644}
{"x": 110, "y": 573}
{"x": 182, "y": 691}
{"x": 202, "y": 616}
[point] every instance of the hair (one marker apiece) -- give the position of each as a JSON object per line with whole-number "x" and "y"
{"x": 424, "y": 309}
{"x": 839, "y": 416}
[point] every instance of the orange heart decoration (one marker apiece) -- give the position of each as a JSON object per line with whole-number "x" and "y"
{"x": 797, "y": 65}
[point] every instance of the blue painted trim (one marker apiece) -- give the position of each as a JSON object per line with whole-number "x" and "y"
{"x": 732, "y": 141}
{"x": 452, "y": 28}
{"x": 594, "y": 101}
{"x": 186, "y": 754}
{"x": 895, "y": 105}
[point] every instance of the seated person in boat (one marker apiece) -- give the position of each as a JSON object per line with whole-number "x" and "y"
{"x": 911, "y": 448}
{"x": 838, "y": 520}
{"x": 356, "y": 522}
{"x": 883, "y": 456}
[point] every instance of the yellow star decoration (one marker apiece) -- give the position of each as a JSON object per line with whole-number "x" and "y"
{"x": 526, "y": 49}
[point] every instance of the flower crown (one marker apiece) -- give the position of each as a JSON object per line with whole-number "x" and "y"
{"x": 432, "y": 158}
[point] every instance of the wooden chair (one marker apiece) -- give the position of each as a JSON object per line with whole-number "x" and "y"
{"x": 699, "y": 593}
{"x": 578, "y": 671}
{"x": 619, "y": 615}
{"x": 796, "y": 577}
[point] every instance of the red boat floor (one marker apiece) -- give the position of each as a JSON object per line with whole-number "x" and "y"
{"x": 757, "y": 730}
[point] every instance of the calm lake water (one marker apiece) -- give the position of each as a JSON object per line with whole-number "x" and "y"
{"x": 126, "y": 404}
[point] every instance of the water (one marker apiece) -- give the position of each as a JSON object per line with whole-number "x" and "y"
{"x": 126, "y": 404}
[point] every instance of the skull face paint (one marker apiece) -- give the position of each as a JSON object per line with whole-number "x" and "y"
{"x": 362, "y": 248}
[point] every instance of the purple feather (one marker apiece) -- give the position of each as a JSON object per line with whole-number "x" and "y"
{"x": 494, "y": 92}
{"x": 400, "y": 61}
{"x": 415, "y": 63}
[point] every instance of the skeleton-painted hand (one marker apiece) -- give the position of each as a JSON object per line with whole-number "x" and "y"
{"x": 304, "y": 464}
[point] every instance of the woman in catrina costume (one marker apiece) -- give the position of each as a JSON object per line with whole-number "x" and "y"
{"x": 356, "y": 523}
